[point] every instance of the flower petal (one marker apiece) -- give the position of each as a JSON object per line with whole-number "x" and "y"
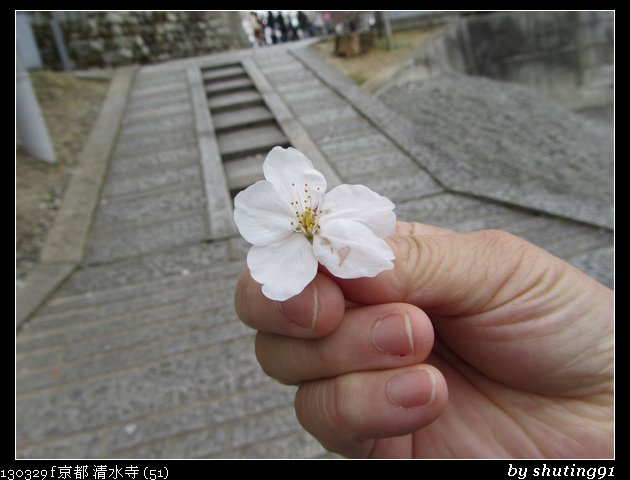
{"x": 284, "y": 268}
{"x": 262, "y": 215}
{"x": 359, "y": 203}
{"x": 289, "y": 170}
{"x": 349, "y": 249}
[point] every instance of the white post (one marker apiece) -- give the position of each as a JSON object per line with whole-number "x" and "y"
{"x": 29, "y": 121}
{"x": 388, "y": 31}
{"x": 66, "y": 63}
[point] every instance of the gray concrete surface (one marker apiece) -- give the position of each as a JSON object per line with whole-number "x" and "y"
{"x": 508, "y": 143}
{"x": 568, "y": 57}
{"x": 68, "y": 237}
{"x": 139, "y": 354}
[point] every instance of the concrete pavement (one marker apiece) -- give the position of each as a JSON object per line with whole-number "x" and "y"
{"x": 138, "y": 352}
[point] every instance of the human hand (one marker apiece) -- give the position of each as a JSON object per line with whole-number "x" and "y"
{"x": 475, "y": 345}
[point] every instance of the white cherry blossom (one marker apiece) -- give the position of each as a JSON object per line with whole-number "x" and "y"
{"x": 292, "y": 224}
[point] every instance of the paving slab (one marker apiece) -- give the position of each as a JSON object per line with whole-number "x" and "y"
{"x": 231, "y": 85}
{"x": 137, "y": 181}
{"x": 130, "y": 239}
{"x": 242, "y": 99}
{"x": 223, "y": 73}
{"x": 67, "y": 240}
{"x": 261, "y": 138}
{"x": 136, "y": 350}
{"x": 242, "y": 117}
{"x": 242, "y": 172}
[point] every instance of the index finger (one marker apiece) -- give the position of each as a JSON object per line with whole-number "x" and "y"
{"x": 313, "y": 313}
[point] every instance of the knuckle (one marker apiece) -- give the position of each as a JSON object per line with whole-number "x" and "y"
{"x": 261, "y": 346}
{"x": 278, "y": 359}
{"x": 503, "y": 250}
{"x": 343, "y": 409}
{"x": 242, "y": 301}
{"x": 409, "y": 252}
{"x": 500, "y": 239}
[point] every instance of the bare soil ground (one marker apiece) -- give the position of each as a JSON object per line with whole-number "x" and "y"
{"x": 70, "y": 106}
{"x": 366, "y": 67}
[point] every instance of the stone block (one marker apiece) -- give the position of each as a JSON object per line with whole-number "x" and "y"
{"x": 116, "y": 30}
{"x": 323, "y": 117}
{"x": 405, "y": 184}
{"x": 212, "y": 413}
{"x": 141, "y": 184}
{"x": 340, "y": 129}
{"x": 148, "y": 389}
{"x": 108, "y": 244}
{"x": 115, "y": 353}
{"x": 64, "y": 301}
{"x": 599, "y": 75}
{"x": 158, "y": 127}
{"x": 596, "y": 55}
{"x": 97, "y": 45}
{"x": 261, "y": 428}
{"x": 599, "y": 264}
{"x": 498, "y": 37}
{"x": 41, "y": 282}
{"x": 294, "y": 445}
{"x": 184, "y": 296}
{"x": 154, "y": 144}
{"x": 355, "y": 145}
{"x": 312, "y": 95}
{"x": 561, "y": 238}
{"x": 85, "y": 445}
{"x": 154, "y": 266}
{"x": 199, "y": 444}
{"x": 28, "y": 362}
{"x": 562, "y": 148}
{"x": 114, "y": 17}
{"x": 158, "y": 100}
{"x": 458, "y": 213}
{"x": 147, "y": 206}
{"x": 176, "y": 157}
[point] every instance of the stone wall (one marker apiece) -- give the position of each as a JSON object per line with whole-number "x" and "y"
{"x": 567, "y": 56}
{"x": 103, "y": 39}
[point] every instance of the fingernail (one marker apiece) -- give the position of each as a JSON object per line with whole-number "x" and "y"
{"x": 297, "y": 309}
{"x": 411, "y": 389}
{"x": 393, "y": 335}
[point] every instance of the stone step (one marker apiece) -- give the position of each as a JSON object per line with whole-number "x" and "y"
{"x": 131, "y": 239}
{"x": 242, "y": 99}
{"x": 240, "y": 118}
{"x": 148, "y": 388}
{"x": 148, "y": 180}
{"x": 242, "y": 172}
{"x": 84, "y": 359}
{"x": 268, "y": 397}
{"x": 214, "y": 312}
{"x": 189, "y": 258}
{"x": 201, "y": 296}
{"x": 227, "y": 86}
{"x": 246, "y": 141}
{"x": 144, "y": 205}
{"x": 184, "y": 278}
{"x": 222, "y": 73}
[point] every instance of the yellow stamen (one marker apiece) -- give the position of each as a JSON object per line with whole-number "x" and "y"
{"x": 308, "y": 219}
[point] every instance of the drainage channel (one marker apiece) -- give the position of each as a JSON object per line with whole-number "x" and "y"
{"x": 245, "y": 128}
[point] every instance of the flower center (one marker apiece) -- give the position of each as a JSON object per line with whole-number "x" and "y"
{"x": 306, "y": 217}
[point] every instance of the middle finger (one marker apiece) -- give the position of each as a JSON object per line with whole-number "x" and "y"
{"x": 368, "y": 338}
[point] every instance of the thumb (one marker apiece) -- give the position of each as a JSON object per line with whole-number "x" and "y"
{"x": 511, "y": 310}
{"x": 448, "y": 273}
